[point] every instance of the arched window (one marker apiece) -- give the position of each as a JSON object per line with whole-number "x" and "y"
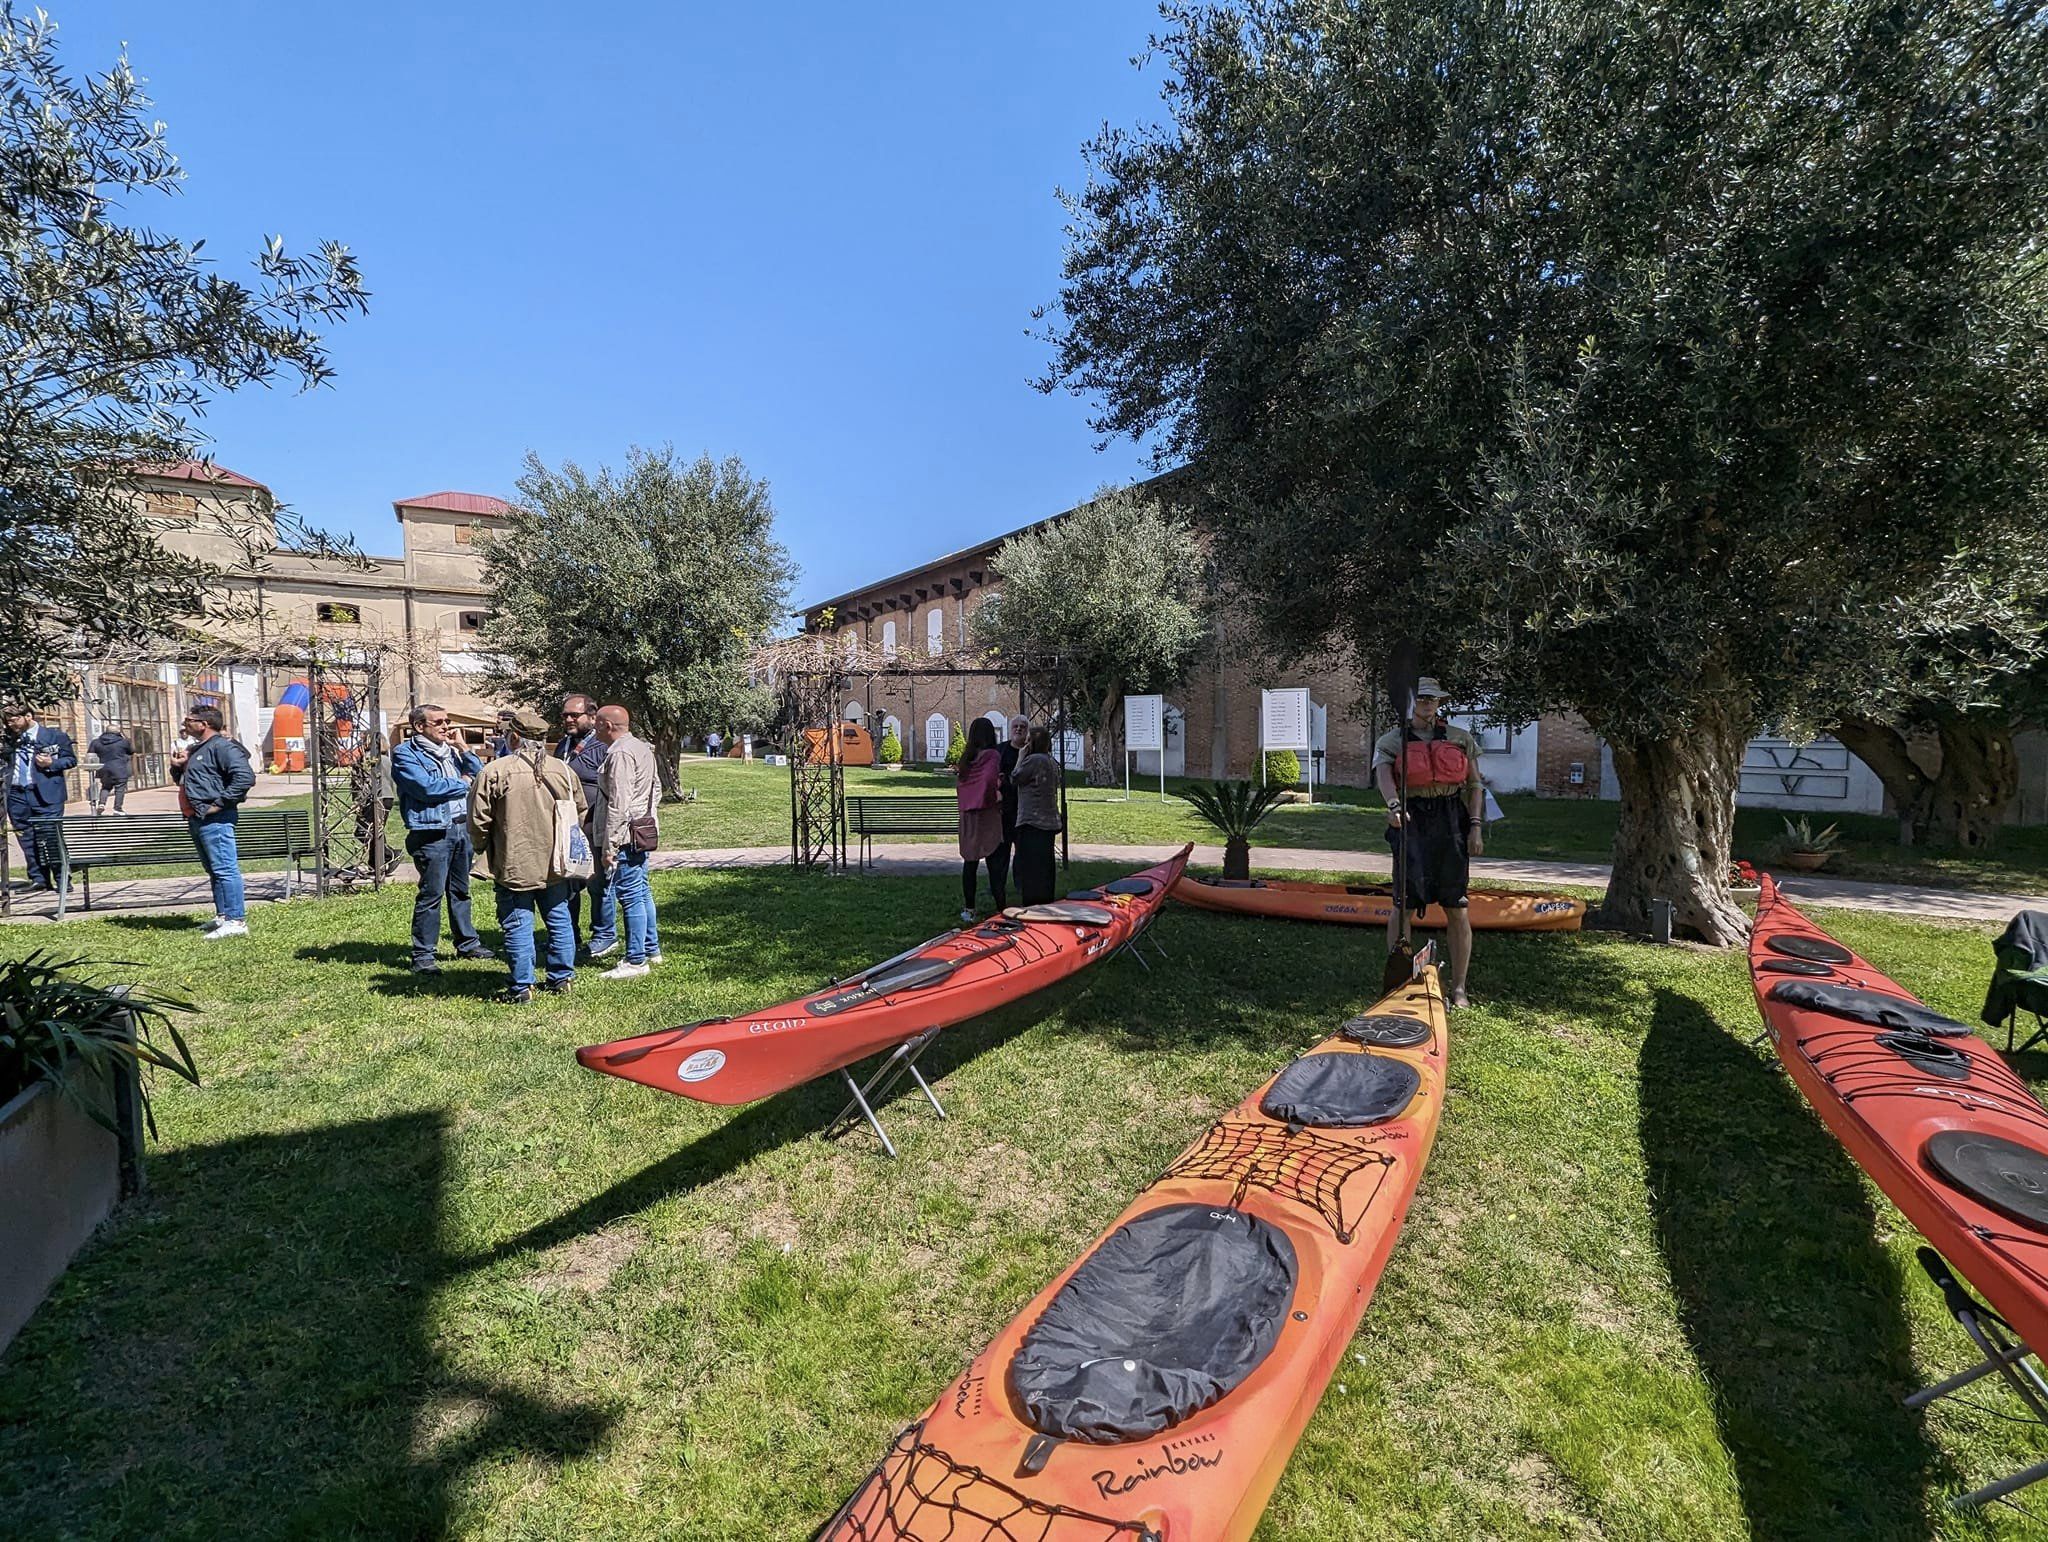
{"x": 1002, "y": 722}
{"x": 892, "y": 724}
{"x": 889, "y": 639}
{"x": 935, "y": 632}
{"x": 937, "y": 736}
{"x": 853, "y": 713}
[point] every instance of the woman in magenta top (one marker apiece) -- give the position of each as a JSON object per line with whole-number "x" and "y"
{"x": 981, "y": 817}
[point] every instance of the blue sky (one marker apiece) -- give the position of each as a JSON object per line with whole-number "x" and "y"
{"x": 809, "y": 235}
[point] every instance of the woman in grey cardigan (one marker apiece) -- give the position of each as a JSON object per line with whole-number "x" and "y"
{"x": 1037, "y": 780}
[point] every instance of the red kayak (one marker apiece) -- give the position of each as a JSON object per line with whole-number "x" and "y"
{"x": 1929, "y": 1110}
{"x": 936, "y": 984}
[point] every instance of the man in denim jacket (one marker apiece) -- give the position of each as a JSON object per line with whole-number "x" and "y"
{"x": 431, "y": 774}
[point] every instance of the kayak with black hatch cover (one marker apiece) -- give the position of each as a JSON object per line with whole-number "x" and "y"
{"x": 1155, "y": 1390}
{"x": 1940, "y": 1123}
{"x": 953, "y": 977}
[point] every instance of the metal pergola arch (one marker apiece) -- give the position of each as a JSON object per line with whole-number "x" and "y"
{"x": 813, "y": 676}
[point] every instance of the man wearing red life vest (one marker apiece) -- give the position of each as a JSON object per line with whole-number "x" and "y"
{"x": 1441, "y": 815}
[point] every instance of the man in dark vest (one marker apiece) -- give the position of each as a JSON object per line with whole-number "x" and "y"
{"x": 1438, "y": 827}
{"x": 583, "y": 752}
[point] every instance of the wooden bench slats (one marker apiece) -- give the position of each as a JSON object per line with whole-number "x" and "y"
{"x": 81, "y": 842}
{"x": 868, "y": 817}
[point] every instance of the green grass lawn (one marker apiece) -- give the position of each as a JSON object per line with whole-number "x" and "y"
{"x": 748, "y": 805}
{"x": 406, "y": 1270}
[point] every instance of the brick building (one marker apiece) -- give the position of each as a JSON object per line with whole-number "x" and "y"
{"x": 423, "y": 609}
{"x": 1213, "y": 718}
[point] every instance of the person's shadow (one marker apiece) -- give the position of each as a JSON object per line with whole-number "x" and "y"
{"x": 1790, "y": 1305}
{"x": 248, "y": 1354}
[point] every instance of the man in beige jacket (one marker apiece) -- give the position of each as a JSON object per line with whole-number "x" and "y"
{"x": 628, "y": 793}
{"x": 512, "y": 824}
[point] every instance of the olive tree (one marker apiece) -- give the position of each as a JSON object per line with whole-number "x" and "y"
{"x": 1635, "y": 357}
{"x": 113, "y": 337}
{"x": 1114, "y": 590}
{"x": 647, "y": 586}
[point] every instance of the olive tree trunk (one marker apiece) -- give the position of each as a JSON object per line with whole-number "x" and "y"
{"x": 1959, "y": 800}
{"x": 668, "y": 753}
{"x": 1104, "y": 768}
{"x": 1676, "y": 836}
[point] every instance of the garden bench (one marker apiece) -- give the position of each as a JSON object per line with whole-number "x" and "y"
{"x": 870, "y": 817}
{"x": 81, "y": 842}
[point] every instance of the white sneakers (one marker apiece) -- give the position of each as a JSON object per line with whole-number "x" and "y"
{"x": 227, "y": 929}
{"x": 625, "y": 971}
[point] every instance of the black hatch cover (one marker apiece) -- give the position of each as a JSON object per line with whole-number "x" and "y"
{"x": 1872, "y": 1007}
{"x": 2008, "y": 1177}
{"x": 1173, "y": 1310}
{"x": 1341, "y": 1091}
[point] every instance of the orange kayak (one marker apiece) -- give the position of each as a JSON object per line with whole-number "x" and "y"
{"x": 1495, "y": 910}
{"x": 1929, "y": 1110}
{"x": 1156, "y": 1389}
{"x": 957, "y": 975}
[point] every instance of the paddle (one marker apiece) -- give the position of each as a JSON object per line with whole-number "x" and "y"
{"x": 1404, "y": 669}
{"x": 914, "y": 975}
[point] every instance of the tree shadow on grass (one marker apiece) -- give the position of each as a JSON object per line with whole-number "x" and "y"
{"x": 183, "y": 921}
{"x": 802, "y": 1113}
{"x": 247, "y": 1353}
{"x": 1790, "y": 1305}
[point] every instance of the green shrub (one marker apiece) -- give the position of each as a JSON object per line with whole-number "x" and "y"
{"x": 957, "y": 745}
{"x": 892, "y": 747}
{"x": 57, "y": 1026}
{"x": 1283, "y": 768}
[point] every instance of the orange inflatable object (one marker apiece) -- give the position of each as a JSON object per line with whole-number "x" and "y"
{"x": 1500, "y": 910}
{"x": 856, "y": 747}
{"x": 1208, "y": 1318}
{"x": 958, "y": 975}
{"x": 1928, "y": 1109}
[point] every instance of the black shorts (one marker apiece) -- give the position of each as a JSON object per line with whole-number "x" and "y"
{"x": 1439, "y": 871}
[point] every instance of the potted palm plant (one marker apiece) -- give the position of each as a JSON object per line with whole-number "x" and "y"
{"x": 1806, "y": 849}
{"x": 73, "y": 1108}
{"x": 1235, "y": 808}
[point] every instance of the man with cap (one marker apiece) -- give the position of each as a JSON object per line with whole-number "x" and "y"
{"x": 512, "y": 821}
{"x": 1438, "y": 827}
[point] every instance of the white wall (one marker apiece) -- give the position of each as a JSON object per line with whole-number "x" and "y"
{"x": 1820, "y": 777}
{"x": 1508, "y": 767}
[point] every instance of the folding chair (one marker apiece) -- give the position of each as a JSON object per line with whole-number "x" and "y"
{"x": 2020, "y": 982}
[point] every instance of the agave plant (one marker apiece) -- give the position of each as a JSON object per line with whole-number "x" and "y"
{"x": 1801, "y": 836}
{"x": 1235, "y": 808}
{"x": 58, "y": 1026}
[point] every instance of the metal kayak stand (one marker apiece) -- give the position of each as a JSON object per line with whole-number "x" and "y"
{"x": 898, "y": 1063}
{"x": 2004, "y": 1354}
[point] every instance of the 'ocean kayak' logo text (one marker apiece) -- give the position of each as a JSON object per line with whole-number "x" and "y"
{"x": 705, "y": 1063}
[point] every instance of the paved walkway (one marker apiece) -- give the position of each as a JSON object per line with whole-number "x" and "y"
{"x": 147, "y": 895}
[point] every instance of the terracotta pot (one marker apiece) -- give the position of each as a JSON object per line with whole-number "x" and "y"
{"x": 1807, "y": 861}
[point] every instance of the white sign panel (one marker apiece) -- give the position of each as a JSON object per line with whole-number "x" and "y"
{"x": 1142, "y": 717}
{"x": 1284, "y": 719}
{"x": 1071, "y": 755}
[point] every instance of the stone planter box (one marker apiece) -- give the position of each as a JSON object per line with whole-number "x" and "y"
{"x": 60, "y": 1176}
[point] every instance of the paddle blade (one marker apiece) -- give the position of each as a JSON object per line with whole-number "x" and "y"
{"x": 1404, "y": 668}
{"x": 1400, "y": 968}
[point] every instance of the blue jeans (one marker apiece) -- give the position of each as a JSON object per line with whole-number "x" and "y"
{"x": 636, "y": 905}
{"x": 516, "y": 910}
{"x": 604, "y": 908}
{"x": 444, "y": 859}
{"x": 214, "y": 835}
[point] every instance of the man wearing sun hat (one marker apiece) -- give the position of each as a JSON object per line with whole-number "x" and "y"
{"x": 1440, "y": 817}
